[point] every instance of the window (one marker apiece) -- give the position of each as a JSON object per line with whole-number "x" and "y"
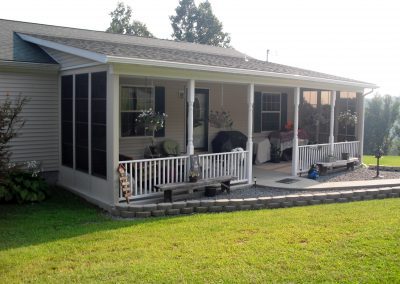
{"x": 81, "y": 122}
{"x": 270, "y": 112}
{"x": 99, "y": 124}
{"x": 133, "y": 101}
{"x": 67, "y": 121}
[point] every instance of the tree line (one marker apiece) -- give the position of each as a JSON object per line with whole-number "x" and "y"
{"x": 190, "y": 23}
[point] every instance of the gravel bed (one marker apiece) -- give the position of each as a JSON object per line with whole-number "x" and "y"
{"x": 358, "y": 174}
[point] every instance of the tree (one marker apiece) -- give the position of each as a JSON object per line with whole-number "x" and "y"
{"x": 198, "y": 24}
{"x": 381, "y": 115}
{"x": 10, "y": 123}
{"x": 121, "y": 22}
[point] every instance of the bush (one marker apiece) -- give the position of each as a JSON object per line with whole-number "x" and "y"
{"x": 23, "y": 187}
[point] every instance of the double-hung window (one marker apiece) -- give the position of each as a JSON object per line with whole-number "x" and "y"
{"x": 270, "y": 112}
{"x": 133, "y": 101}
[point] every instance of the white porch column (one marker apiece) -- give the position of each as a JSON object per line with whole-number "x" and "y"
{"x": 360, "y": 125}
{"x": 113, "y": 132}
{"x": 295, "y": 152}
{"x": 249, "y": 146}
{"x": 190, "y": 101}
{"x": 332, "y": 123}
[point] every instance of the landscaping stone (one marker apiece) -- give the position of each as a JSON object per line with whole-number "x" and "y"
{"x": 372, "y": 192}
{"x": 236, "y": 202}
{"x": 274, "y": 205}
{"x": 287, "y": 204}
{"x": 135, "y": 208}
{"x": 121, "y": 207}
{"x": 278, "y": 199}
{"x": 356, "y": 198}
{"x": 158, "y": 213}
{"x": 333, "y": 195}
{"x": 201, "y": 209}
{"x": 193, "y": 203}
{"x": 164, "y": 206}
{"x": 149, "y": 207}
{"x": 173, "y": 211}
{"x": 300, "y": 202}
{"x": 207, "y": 202}
{"x": 359, "y": 192}
{"x": 396, "y": 189}
{"x": 245, "y": 207}
{"x": 215, "y": 208}
{"x": 368, "y": 197}
{"x": 394, "y": 194}
{"x": 319, "y": 196}
{"x": 258, "y": 206}
{"x": 306, "y": 197}
{"x": 250, "y": 201}
{"x": 315, "y": 202}
{"x": 342, "y": 200}
{"x": 222, "y": 202}
{"x": 292, "y": 197}
{"x": 178, "y": 204}
{"x": 115, "y": 212}
{"x": 127, "y": 214}
{"x": 187, "y": 210}
{"x": 381, "y": 195}
{"x": 265, "y": 200}
{"x": 144, "y": 214}
{"x": 230, "y": 208}
{"x": 346, "y": 194}
{"x": 329, "y": 201}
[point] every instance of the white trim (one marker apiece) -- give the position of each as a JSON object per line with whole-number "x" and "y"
{"x": 80, "y": 66}
{"x": 65, "y": 48}
{"x": 191, "y": 66}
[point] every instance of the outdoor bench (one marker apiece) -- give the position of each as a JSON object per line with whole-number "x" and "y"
{"x": 170, "y": 188}
{"x": 325, "y": 166}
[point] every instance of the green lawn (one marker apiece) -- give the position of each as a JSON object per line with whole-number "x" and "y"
{"x": 385, "y": 160}
{"x": 63, "y": 240}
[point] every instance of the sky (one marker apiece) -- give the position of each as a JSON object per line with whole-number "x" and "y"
{"x": 349, "y": 38}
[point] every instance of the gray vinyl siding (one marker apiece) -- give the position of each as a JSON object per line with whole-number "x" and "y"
{"x": 65, "y": 59}
{"x": 38, "y": 139}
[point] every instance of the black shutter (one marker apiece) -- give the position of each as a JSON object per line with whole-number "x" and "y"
{"x": 284, "y": 103}
{"x": 257, "y": 112}
{"x": 159, "y": 106}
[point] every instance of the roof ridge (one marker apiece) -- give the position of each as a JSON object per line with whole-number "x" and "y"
{"x": 149, "y": 39}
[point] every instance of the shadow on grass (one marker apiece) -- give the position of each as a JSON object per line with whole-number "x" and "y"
{"x": 63, "y": 215}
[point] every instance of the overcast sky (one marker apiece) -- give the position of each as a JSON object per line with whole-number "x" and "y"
{"x": 350, "y": 38}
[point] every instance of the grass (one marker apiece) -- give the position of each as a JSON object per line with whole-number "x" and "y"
{"x": 385, "y": 160}
{"x": 65, "y": 240}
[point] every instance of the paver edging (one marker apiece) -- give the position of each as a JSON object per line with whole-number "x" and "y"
{"x": 229, "y": 205}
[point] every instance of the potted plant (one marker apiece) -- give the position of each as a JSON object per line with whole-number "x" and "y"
{"x": 275, "y": 154}
{"x": 151, "y": 121}
{"x": 194, "y": 176}
{"x": 348, "y": 118}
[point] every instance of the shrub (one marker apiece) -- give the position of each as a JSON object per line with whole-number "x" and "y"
{"x": 23, "y": 187}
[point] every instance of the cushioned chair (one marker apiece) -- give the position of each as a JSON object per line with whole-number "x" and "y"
{"x": 170, "y": 148}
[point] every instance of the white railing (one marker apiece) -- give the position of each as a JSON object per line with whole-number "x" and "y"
{"x": 225, "y": 164}
{"x": 310, "y": 154}
{"x": 144, "y": 174}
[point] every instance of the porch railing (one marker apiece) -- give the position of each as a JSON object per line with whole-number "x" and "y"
{"x": 310, "y": 154}
{"x": 145, "y": 173}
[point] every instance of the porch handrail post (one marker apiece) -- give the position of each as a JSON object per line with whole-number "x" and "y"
{"x": 295, "y": 155}
{"x": 249, "y": 146}
{"x": 332, "y": 123}
{"x": 361, "y": 112}
{"x": 190, "y": 101}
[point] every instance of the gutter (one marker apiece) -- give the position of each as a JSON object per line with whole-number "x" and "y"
{"x": 366, "y": 94}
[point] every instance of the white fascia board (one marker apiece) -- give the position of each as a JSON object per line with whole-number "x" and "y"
{"x": 65, "y": 48}
{"x": 199, "y": 67}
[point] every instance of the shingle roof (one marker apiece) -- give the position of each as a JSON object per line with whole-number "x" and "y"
{"x": 149, "y": 48}
{"x": 185, "y": 56}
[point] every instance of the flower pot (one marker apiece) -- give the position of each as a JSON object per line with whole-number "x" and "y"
{"x": 193, "y": 179}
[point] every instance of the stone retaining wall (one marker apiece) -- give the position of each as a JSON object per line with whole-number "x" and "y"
{"x": 229, "y": 205}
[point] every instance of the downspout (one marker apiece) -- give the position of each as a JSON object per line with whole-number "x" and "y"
{"x": 361, "y": 129}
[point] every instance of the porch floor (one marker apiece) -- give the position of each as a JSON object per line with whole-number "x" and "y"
{"x": 269, "y": 175}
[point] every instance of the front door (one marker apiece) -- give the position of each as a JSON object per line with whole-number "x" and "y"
{"x": 200, "y": 119}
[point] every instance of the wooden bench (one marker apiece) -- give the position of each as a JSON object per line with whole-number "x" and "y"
{"x": 325, "y": 166}
{"x": 169, "y": 188}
